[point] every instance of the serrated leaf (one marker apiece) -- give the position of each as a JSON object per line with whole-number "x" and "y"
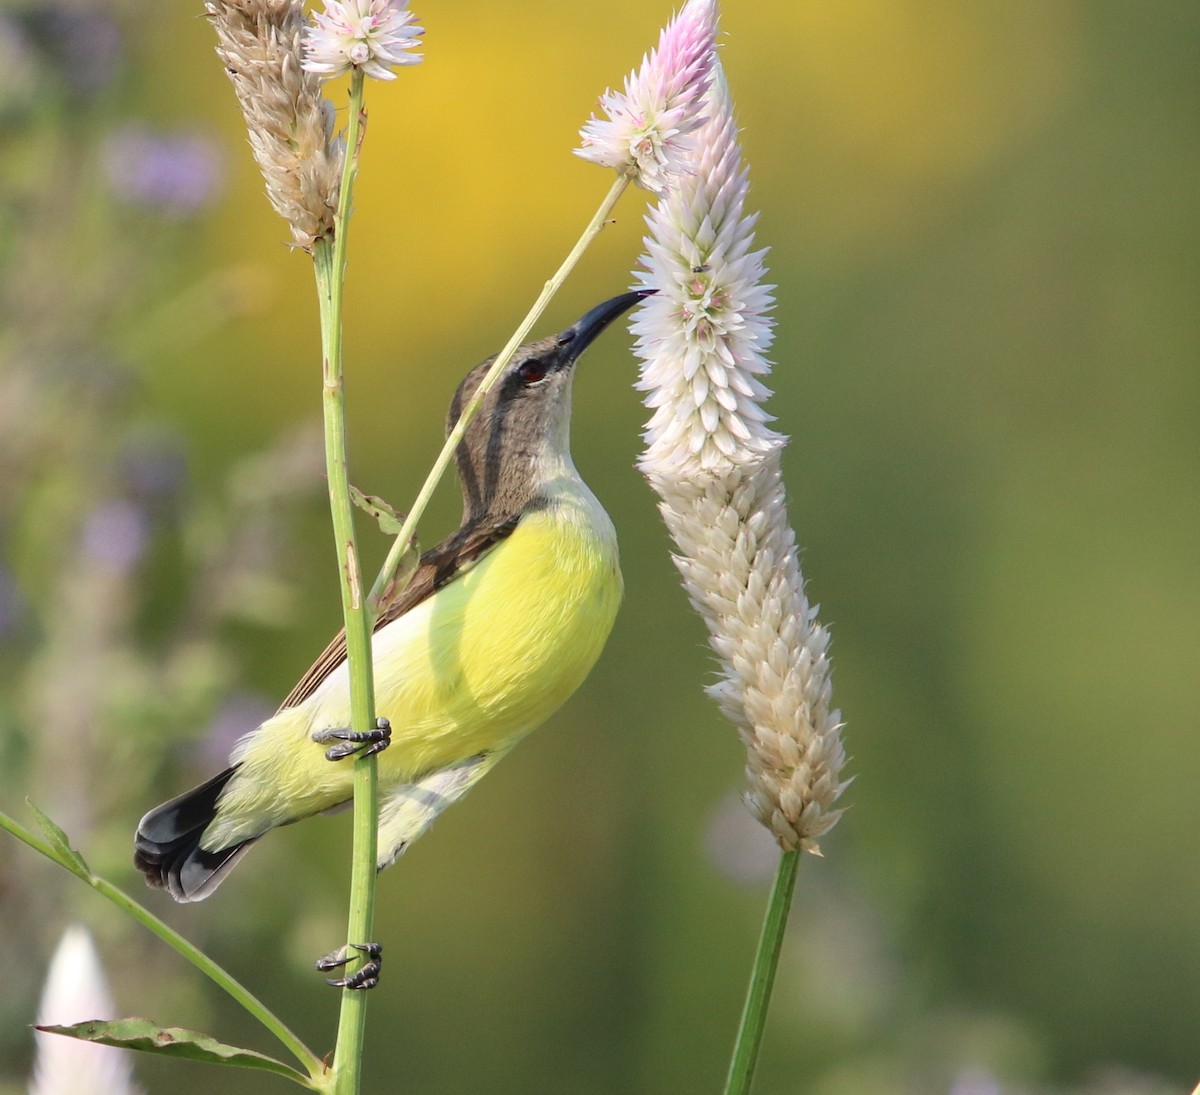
{"x": 147, "y": 1036}
{"x": 68, "y": 856}
{"x": 390, "y": 522}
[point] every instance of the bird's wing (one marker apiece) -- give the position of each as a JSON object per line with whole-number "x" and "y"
{"x": 438, "y": 566}
{"x": 408, "y": 810}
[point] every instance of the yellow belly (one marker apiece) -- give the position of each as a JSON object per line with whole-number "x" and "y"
{"x": 472, "y": 669}
{"x": 499, "y": 650}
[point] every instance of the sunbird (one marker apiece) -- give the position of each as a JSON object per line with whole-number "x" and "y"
{"x": 500, "y": 624}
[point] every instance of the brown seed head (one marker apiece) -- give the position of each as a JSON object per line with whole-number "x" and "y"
{"x": 290, "y": 123}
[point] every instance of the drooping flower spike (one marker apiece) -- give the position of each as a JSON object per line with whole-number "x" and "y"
{"x": 647, "y": 132}
{"x": 371, "y": 35}
{"x": 715, "y": 465}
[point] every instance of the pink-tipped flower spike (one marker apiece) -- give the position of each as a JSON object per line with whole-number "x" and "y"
{"x": 704, "y": 335}
{"x": 371, "y": 35}
{"x": 648, "y": 132}
{"x": 715, "y": 465}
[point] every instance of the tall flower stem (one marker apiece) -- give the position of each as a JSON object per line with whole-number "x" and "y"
{"x": 762, "y": 978}
{"x": 329, "y": 259}
{"x": 384, "y": 582}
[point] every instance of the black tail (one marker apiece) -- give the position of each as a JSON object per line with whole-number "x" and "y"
{"x": 167, "y": 845}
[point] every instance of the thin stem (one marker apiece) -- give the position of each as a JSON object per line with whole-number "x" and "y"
{"x": 329, "y": 260}
{"x": 311, "y": 1063}
{"x": 383, "y": 583}
{"x": 251, "y": 1003}
{"x": 762, "y": 978}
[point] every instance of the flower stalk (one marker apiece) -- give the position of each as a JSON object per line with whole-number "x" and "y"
{"x": 715, "y": 464}
{"x": 762, "y": 977}
{"x": 329, "y": 260}
{"x": 712, "y": 459}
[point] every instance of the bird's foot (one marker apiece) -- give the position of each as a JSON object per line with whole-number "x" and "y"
{"x": 365, "y": 978}
{"x": 353, "y": 742}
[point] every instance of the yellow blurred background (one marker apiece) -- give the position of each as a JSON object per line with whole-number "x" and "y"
{"x": 983, "y": 229}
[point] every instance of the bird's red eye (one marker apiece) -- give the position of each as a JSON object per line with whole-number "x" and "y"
{"x": 531, "y": 371}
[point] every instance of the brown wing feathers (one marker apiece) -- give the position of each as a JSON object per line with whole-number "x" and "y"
{"x": 437, "y": 567}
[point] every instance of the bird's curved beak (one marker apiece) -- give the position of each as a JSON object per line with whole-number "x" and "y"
{"x": 580, "y": 335}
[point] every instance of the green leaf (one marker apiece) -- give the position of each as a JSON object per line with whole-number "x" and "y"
{"x": 67, "y": 856}
{"x": 390, "y": 522}
{"x": 407, "y": 566}
{"x": 191, "y": 1045}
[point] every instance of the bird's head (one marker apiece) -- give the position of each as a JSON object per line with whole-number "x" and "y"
{"x": 521, "y": 436}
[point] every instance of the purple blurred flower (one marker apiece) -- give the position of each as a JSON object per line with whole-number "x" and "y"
{"x": 976, "y": 1081}
{"x": 154, "y": 471}
{"x": 12, "y": 604}
{"x": 237, "y": 716}
{"x": 18, "y": 68}
{"x": 737, "y": 846}
{"x": 175, "y": 173}
{"x": 83, "y": 46}
{"x": 115, "y": 535}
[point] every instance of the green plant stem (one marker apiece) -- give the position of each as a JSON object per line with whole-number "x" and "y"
{"x": 383, "y": 584}
{"x": 329, "y": 260}
{"x": 311, "y": 1063}
{"x": 330, "y": 263}
{"x": 762, "y": 978}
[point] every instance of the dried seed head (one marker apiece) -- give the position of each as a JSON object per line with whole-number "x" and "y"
{"x": 290, "y": 123}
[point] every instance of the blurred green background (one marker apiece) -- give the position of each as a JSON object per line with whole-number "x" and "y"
{"x": 984, "y": 230}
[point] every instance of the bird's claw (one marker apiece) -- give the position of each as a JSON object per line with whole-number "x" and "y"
{"x": 362, "y": 979}
{"x": 355, "y": 742}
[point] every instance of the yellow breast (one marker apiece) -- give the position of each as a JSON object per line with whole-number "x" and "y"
{"x": 471, "y": 669}
{"x": 498, "y": 650}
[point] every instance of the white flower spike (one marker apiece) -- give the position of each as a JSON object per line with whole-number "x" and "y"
{"x": 704, "y": 335}
{"x": 371, "y": 35}
{"x": 647, "y": 134}
{"x": 75, "y": 992}
{"x": 715, "y": 465}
